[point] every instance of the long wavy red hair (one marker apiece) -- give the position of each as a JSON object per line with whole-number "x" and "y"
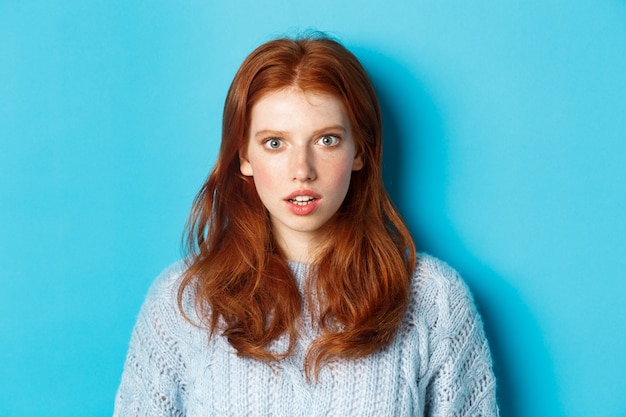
{"x": 242, "y": 283}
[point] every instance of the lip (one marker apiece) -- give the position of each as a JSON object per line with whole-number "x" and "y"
{"x": 307, "y": 193}
{"x": 306, "y": 209}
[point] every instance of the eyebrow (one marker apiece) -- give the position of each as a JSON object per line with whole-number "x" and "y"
{"x": 268, "y": 133}
{"x": 281, "y": 133}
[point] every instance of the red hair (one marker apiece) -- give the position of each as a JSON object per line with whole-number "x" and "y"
{"x": 242, "y": 282}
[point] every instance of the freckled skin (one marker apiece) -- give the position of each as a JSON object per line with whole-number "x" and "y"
{"x": 299, "y": 144}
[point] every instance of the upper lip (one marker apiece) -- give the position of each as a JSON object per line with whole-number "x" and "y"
{"x": 307, "y": 193}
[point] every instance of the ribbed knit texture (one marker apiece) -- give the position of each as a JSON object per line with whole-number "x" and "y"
{"x": 438, "y": 364}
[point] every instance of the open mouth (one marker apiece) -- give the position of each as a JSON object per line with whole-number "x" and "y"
{"x": 302, "y": 200}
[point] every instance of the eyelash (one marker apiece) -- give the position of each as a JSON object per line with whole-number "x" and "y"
{"x": 336, "y": 138}
{"x": 267, "y": 142}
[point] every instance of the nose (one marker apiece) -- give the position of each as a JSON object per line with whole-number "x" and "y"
{"x": 303, "y": 164}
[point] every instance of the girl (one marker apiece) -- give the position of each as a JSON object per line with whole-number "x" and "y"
{"x": 302, "y": 294}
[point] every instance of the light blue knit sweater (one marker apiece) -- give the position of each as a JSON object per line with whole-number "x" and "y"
{"x": 438, "y": 364}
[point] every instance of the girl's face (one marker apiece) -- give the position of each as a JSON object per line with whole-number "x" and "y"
{"x": 300, "y": 154}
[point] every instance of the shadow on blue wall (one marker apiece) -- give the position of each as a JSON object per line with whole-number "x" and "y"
{"x": 414, "y": 134}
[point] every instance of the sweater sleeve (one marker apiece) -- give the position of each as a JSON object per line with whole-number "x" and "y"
{"x": 153, "y": 378}
{"x": 462, "y": 383}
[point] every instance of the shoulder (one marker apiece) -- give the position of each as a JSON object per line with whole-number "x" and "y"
{"x": 438, "y": 293}
{"x": 164, "y": 289}
{"x": 167, "y": 281}
{"x": 161, "y": 325}
{"x": 161, "y": 302}
{"x": 432, "y": 274}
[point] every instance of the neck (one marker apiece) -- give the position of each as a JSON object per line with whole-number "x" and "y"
{"x": 298, "y": 247}
{"x": 301, "y": 252}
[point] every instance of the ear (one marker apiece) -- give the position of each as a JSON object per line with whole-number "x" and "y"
{"x": 357, "y": 164}
{"x": 244, "y": 165}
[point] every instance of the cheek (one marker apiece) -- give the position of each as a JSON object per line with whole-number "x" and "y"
{"x": 264, "y": 178}
{"x": 341, "y": 173}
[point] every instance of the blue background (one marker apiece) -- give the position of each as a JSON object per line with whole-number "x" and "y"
{"x": 506, "y": 153}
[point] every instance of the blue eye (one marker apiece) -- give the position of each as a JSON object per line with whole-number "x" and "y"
{"x": 328, "y": 140}
{"x": 273, "y": 143}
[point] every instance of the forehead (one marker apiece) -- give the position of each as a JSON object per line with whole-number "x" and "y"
{"x": 295, "y": 105}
